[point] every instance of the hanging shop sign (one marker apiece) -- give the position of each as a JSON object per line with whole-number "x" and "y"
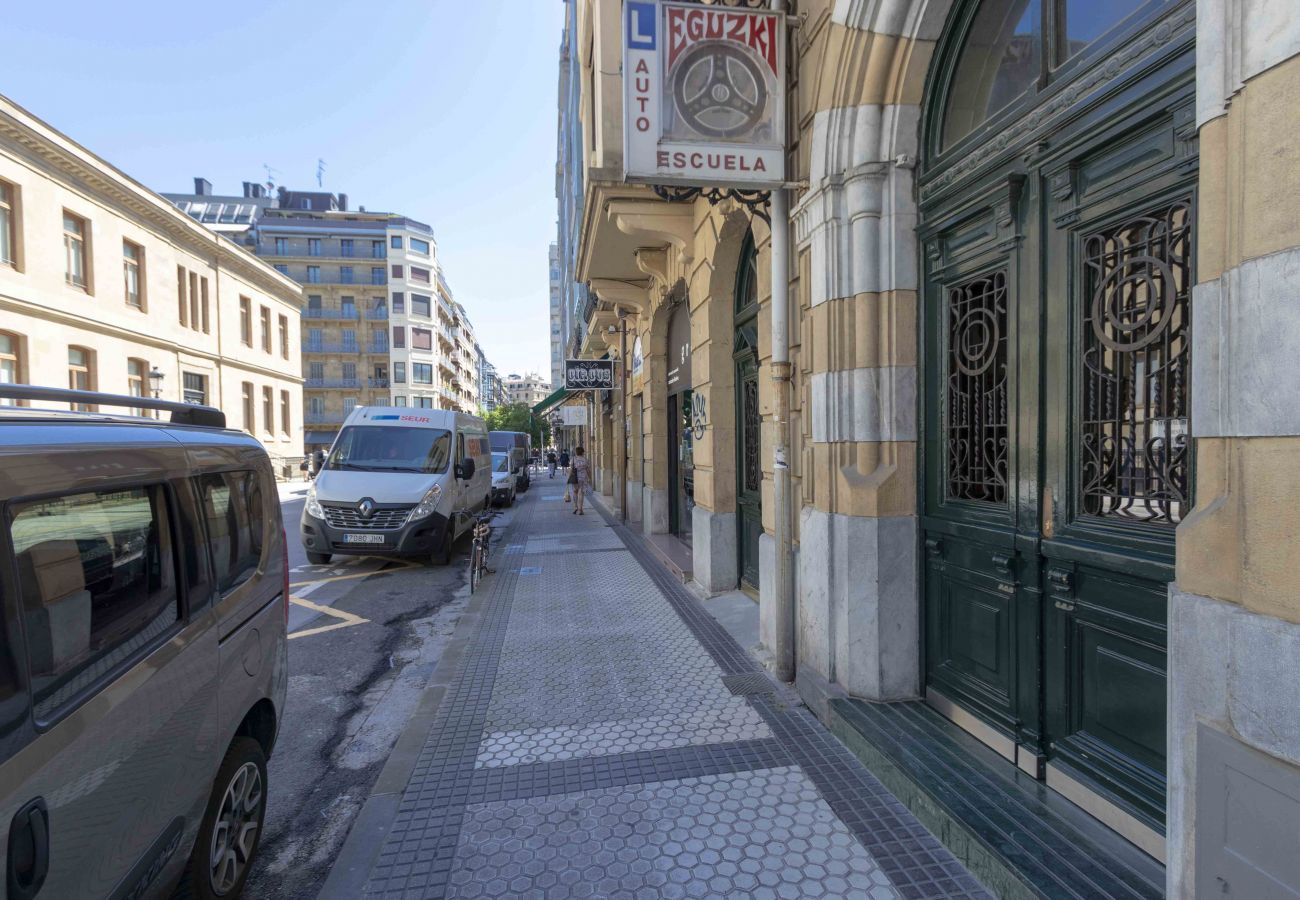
{"x": 703, "y": 95}
{"x": 573, "y": 415}
{"x": 588, "y": 374}
{"x": 638, "y": 360}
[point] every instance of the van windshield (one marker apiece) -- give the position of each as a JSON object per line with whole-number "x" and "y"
{"x": 391, "y": 448}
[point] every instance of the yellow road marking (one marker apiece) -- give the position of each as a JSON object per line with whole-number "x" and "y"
{"x": 402, "y": 564}
{"x": 348, "y": 619}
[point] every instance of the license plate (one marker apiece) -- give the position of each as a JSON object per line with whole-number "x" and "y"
{"x": 363, "y": 538}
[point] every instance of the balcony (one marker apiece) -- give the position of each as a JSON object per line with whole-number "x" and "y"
{"x": 330, "y": 347}
{"x": 315, "y": 313}
{"x": 377, "y": 347}
{"x": 377, "y": 314}
{"x": 325, "y": 418}
{"x": 332, "y": 383}
{"x": 377, "y": 382}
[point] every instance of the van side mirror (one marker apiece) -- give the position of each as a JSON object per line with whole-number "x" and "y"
{"x": 465, "y": 471}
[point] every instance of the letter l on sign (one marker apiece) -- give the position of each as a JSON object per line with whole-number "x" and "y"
{"x": 641, "y": 26}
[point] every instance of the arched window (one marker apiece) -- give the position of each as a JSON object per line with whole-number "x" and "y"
{"x": 1013, "y": 47}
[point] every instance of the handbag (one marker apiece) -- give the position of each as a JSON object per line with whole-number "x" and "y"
{"x": 573, "y": 475}
{"x": 568, "y": 498}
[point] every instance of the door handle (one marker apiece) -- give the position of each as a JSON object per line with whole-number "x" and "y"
{"x": 29, "y": 850}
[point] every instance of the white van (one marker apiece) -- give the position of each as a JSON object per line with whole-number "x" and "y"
{"x": 399, "y": 481}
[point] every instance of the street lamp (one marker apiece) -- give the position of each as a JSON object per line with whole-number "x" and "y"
{"x": 155, "y": 381}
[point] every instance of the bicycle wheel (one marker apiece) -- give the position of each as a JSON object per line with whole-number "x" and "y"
{"x": 473, "y": 566}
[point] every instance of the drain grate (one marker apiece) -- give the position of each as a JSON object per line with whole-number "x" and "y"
{"x": 748, "y": 684}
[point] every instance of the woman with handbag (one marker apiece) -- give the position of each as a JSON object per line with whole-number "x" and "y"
{"x": 579, "y": 479}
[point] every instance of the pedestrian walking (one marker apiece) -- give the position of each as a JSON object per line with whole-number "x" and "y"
{"x": 550, "y": 461}
{"x": 564, "y": 461}
{"x": 579, "y": 479}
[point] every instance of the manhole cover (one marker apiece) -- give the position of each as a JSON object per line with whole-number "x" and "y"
{"x": 749, "y": 683}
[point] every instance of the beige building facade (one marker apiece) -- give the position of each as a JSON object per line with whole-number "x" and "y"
{"x": 103, "y": 282}
{"x": 529, "y": 389}
{"x": 1041, "y": 431}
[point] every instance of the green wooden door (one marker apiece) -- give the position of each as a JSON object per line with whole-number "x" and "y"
{"x": 1058, "y": 264}
{"x": 749, "y": 473}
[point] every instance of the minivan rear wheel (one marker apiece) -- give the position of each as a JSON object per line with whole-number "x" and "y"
{"x": 442, "y": 556}
{"x": 232, "y": 824}
{"x": 318, "y": 559}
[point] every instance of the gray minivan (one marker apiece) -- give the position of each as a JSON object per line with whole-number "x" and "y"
{"x": 143, "y": 657}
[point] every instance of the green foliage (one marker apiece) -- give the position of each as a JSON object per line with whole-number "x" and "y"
{"x": 519, "y": 417}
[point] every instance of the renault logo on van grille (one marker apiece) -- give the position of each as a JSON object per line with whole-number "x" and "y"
{"x": 366, "y": 508}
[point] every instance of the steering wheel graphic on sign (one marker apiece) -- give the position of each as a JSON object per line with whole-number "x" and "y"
{"x": 718, "y": 90}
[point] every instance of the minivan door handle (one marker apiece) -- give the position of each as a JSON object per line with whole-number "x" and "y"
{"x": 29, "y": 850}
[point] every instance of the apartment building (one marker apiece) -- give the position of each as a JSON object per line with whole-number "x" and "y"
{"x": 106, "y": 286}
{"x": 557, "y": 317}
{"x": 491, "y": 390}
{"x": 529, "y": 389}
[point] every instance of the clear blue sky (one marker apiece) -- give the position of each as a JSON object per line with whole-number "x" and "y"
{"x": 444, "y": 110}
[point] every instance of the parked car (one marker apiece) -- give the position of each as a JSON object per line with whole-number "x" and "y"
{"x": 503, "y": 480}
{"x": 143, "y": 659}
{"x": 398, "y": 481}
{"x": 519, "y": 445}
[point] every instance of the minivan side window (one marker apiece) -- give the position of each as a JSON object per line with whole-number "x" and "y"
{"x": 13, "y": 698}
{"x": 97, "y": 582}
{"x": 236, "y": 514}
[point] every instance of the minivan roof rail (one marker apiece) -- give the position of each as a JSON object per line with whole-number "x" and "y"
{"x": 182, "y": 413}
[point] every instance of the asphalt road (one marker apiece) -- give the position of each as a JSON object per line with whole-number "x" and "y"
{"x": 365, "y": 634}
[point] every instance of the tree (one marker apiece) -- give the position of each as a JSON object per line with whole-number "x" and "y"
{"x": 519, "y": 417}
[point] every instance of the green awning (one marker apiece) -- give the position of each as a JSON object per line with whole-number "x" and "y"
{"x": 550, "y": 402}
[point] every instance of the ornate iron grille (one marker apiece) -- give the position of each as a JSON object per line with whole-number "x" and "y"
{"x": 976, "y": 415}
{"x": 1136, "y": 364}
{"x": 749, "y": 405}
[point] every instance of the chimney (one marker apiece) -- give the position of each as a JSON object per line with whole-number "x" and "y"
{"x": 202, "y": 187}
{"x": 253, "y": 190}
{"x": 343, "y": 202}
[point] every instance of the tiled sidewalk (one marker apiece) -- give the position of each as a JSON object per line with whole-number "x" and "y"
{"x": 602, "y": 736}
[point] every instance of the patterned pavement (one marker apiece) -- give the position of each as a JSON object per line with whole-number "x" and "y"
{"x": 604, "y": 737}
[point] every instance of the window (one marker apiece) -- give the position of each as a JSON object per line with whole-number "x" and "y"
{"x": 132, "y": 273}
{"x": 349, "y": 306}
{"x": 419, "y": 274}
{"x": 268, "y": 410}
{"x": 349, "y": 339}
{"x": 284, "y": 337}
{"x": 137, "y": 370}
{"x": 266, "y": 329}
{"x": 195, "y": 321}
{"x": 345, "y": 274}
{"x": 421, "y": 339}
{"x": 314, "y": 339}
{"x": 316, "y": 371}
{"x": 397, "y": 271}
{"x": 313, "y": 274}
{"x": 281, "y": 247}
{"x": 999, "y": 62}
{"x": 75, "y": 262}
{"x": 349, "y": 404}
{"x": 377, "y": 250}
{"x": 203, "y": 290}
{"x": 395, "y": 242}
{"x": 424, "y": 402}
{"x": 422, "y": 373}
{"x": 282, "y": 269}
{"x": 399, "y": 303}
{"x": 81, "y": 373}
{"x": 286, "y": 420}
{"x": 182, "y": 301}
{"x": 249, "y": 413}
{"x": 377, "y": 275}
{"x": 420, "y": 246}
{"x": 421, "y": 306}
{"x": 399, "y": 336}
{"x": 399, "y": 373}
{"x": 399, "y": 400}
{"x": 235, "y": 509}
{"x": 345, "y": 247}
{"x": 11, "y": 363}
{"x": 194, "y": 388}
{"x": 350, "y": 372}
{"x": 313, "y": 301}
{"x": 246, "y": 320}
{"x": 8, "y": 225}
{"x": 97, "y": 585}
{"x": 316, "y": 406}
{"x": 313, "y": 246}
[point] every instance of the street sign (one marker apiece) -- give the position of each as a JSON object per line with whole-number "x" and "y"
{"x": 703, "y": 95}
{"x": 589, "y": 374}
{"x": 574, "y": 415}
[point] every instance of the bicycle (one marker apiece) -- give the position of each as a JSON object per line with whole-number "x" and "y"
{"x": 478, "y": 555}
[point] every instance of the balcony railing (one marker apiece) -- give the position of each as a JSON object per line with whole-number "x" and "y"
{"x": 315, "y": 313}
{"x": 332, "y": 383}
{"x": 330, "y": 347}
{"x": 380, "y": 313}
{"x": 378, "y": 382}
{"x": 325, "y": 418}
{"x": 377, "y": 347}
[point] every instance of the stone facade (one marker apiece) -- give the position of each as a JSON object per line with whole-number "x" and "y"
{"x": 153, "y": 290}
{"x": 859, "y": 73}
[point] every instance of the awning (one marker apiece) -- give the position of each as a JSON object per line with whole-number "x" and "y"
{"x": 551, "y": 402}
{"x": 319, "y": 437}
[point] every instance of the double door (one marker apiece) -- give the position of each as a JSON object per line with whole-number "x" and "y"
{"x": 1057, "y": 386}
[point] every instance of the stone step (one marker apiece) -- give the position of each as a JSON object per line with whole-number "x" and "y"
{"x": 1018, "y": 837}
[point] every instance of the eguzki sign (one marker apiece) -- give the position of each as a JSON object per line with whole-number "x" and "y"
{"x": 703, "y": 95}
